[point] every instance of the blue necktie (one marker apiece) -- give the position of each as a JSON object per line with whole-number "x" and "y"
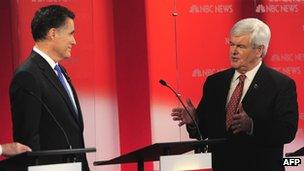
{"x": 62, "y": 80}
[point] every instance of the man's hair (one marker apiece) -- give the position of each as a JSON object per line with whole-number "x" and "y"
{"x": 258, "y": 30}
{"x": 52, "y": 16}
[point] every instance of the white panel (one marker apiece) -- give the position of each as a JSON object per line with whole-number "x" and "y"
{"x": 87, "y": 106}
{"x": 101, "y": 129}
{"x": 185, "y": 162}
{"x": 57, "y": 167}
{"x": 107, "y": 131}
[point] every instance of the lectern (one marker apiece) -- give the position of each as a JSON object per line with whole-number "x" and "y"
{"x": 154, "y": 151}
{"x": 299, "y": 152}
{"x": 23, "y": 161}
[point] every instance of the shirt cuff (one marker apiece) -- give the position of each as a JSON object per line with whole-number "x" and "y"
{"x": 0, "y": 150}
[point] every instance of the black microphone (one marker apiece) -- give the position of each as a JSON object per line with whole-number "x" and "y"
{"x": 162, "y": 82}
{"x": 51, "y": 114}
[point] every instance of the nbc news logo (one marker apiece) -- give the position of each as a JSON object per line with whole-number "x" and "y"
{"x": 291, "y": 161}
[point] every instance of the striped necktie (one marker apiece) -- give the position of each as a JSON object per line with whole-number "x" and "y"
{"x": 234, "y": 101}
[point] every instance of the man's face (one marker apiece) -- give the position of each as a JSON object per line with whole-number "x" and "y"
{"x": 243, "y": 56}
{"x": 64, "y": 39}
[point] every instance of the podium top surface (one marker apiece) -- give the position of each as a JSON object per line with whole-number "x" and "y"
{"x": 60, "y": 152}
{"x": 154, "y": 151}
{"x": 35, "y": 157}
{"x": 63, "y": 152}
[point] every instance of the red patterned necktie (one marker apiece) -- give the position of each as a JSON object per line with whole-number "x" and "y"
{"x": 234, "y": 101}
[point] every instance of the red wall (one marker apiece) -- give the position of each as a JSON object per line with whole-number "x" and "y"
{"x": 132, "y": 76}
{"x": 6, "y": 70}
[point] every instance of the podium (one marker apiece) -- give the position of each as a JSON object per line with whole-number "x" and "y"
{"x": 154, "y": 151}
{"x": 297, "y": 153}
{"x": 22, "y": 161}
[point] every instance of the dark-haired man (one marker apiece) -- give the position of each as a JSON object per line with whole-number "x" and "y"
{"x": 45, "y": 108}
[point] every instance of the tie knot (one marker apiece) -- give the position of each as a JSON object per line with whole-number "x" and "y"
{"x": 242, "y": 77}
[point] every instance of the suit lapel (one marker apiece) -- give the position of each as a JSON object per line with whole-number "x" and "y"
{"x": 256, "y": 87}
{"x": 51, "y": 76}
{"x": 226, "y": 84}
{"x": 74, "y": 94}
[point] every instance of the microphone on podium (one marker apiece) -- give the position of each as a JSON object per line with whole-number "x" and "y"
{"x": 50, "y": 113}
{"x": 162, "y": 82}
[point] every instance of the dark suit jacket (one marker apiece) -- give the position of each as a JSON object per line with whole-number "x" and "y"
{"x": 32, "y": 124}
{"x": 271, "y": 102}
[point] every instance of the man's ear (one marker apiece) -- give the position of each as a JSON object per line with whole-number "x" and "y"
{"x": 51, "y": 34}
{"x": 260, "y": 50}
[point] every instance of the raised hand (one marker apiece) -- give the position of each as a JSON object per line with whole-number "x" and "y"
{"x": 180, "y": 114}
{"x": 241, "y": 121}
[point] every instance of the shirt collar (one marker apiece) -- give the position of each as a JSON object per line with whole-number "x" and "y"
{"x": 48, "y": 59}
{"x": 249, "y": 74}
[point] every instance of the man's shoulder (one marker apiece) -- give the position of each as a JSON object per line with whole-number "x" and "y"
{"x": 223, "y": 74}
{"x": 29, "y": 65}
{"x": 276, "y": 75}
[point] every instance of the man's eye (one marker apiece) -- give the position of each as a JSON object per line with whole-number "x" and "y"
{"x": 241, "y": 46}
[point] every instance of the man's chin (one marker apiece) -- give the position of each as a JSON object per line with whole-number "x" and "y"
{"x": 235, "y": 65}
{"x": 67, "y": 56}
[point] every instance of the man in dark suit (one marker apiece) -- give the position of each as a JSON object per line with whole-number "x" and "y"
{"x": 45, "y": 108}
{"x": 250, "y": 104}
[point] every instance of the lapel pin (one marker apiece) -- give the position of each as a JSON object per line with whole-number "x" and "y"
{"x": 255, "y": 86}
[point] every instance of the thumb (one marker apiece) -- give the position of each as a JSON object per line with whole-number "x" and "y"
{"x": 240, "y": 108}
{"x": 28, "y": 148}
{"x": 189, "y": 103}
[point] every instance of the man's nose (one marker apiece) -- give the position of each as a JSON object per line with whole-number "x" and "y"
{"x": 233, "y": 49}
{"x": 73, "y": 41}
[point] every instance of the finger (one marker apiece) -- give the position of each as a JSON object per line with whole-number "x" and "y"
{"x": 238, "y": 130}
{"x": 189, "y": 103}
{"x": 176, "y": 114}
{"x": 236, "y": 123}
{"x": 235, "y": 126}
{"x": 28, "y": 148}
{"x": 177, "y": 109}
{"x": 177, "y": 118}
{"x": 240, "y": 108}
{"x": 237, "y": 116}
{"x": 181, "y": 123}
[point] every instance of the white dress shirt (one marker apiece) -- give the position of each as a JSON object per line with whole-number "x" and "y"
{"x": 249, "y": 77}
